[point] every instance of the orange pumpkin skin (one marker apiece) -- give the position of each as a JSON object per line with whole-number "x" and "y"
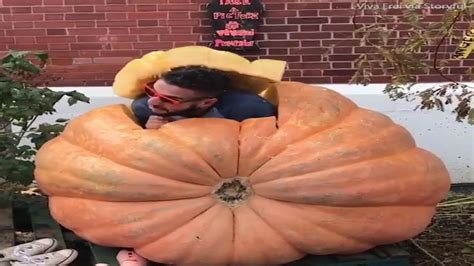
{"x": 324, "y": 177}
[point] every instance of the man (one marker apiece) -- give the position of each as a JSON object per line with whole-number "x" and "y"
{"x": 196, "y": 91}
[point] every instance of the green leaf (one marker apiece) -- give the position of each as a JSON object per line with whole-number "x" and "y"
{"x": 42, "y": 56}
{"x": 71, "y": 101}
{"x": 29, "y": 67}
{"x": 61, "y": 120}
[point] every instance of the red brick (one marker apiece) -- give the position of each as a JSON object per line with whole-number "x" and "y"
{"x": 116, "y": 2}
{"x": 343, "y": 35}
{"x": 148, "y": 1}
{"x": 199, "y": 15}
{"x": 58, "y": 46}
{"x": 117, "y": 23}
{"x": 269, "y": 7}
{"x": 180, "y": 7}
{"x": 61, "y": 61}
{"x": 310, "y": 27}
{"x": 145, "y": 23}
{"x": 84, "y": 2}
{"x": 279, "y": 43}
{"x": 122, "y": 46}
{"x": 280, "y": 13}
{"x": 312, "y": 72}
{"x": 29, "y": 47}
{"x": 466, "y": 62}
{"x": 302, "y": 51}
{"x": 380, "y": 79}
{"x": 277, "y": 36}
{"x": 313, "y": 80}
{"x": 111, "y": 60}
{"x": 301, "y": 6}
{"x": 270, "y": 21}
{"x": 20, "y": 10}
{"x": 315, "y": 35}
{"x": 124, "y": 53}
{"x": 147, "y": 15}
{"x": 22, "y": 2}
{"x": 207, "y": 38}
{"x": 308, "y": 13}
{"x": 53, "y": 39}
{"x": 116, "y": 16}
{"x": 118, "y": 31}
{"x": 23, "y": 17}
{"x": 458, "y": 70}
{"x": 205, "y": 22}
{"x": 182, "y": 15}
{"x": 202, "y": 29}
{"x": 53, "y": 2}
{"x": 23, "y": 25}
{"x": 54, "y": 17}
{"x": 286, "y": 58}
{"x": 54, "y": 24}
{"x": 179, "y": 22}
{"x": 316, "y": 65}
{"x": 83, "y": 9}
{"x": 339, "y": 72}
{"x": 308, "y": 20}
{"x": 341, "y": 5}
{"x": 7, "y": 40}
{"x": 311, "y": 58}
{"x": 341, "y": 79}
{"x": 311, "y": 43}
{"x": 336, "y": 12}
{"x": 341, "y": 65}
{"x": 266, "y": 28}
{"x": 85, "y": 24}
{"x": 292, "y": 73}
{"x": 153, "y": 45}
{"x": 340, "y": 20}
{"x": 64, "y": 54}
{"x": 120, "y": 8}
{"x": 96, "y": 31}
{"x": 343, "y": 50}
{"x": 27, "y": 39}
{"x": 26, "y": 32}
{"x": 342, "y": 57}
{"x": 86, "y": 46}
{"x": 95, "y": 16}
{"x": 278, "y": 51}
{"x": 141, "y": 8}
{"x": 179, "y": 37}
{"x": 364, "y": 19}
{"x": 150, "y": 30}
{"x": 56, "y": 32}
{"x": 148, "y": 38}
{"x": 5, "y": 10}
{"x": 80, "y": 61}
{"x": 341, "y": 42}
{"x": 52, "y": 9}
{"x": 181, "y": 30}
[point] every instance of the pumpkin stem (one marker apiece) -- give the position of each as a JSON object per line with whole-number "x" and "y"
{"x": 233, "y": 191}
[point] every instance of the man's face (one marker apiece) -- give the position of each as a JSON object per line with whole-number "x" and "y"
{"x": 190, "y": 102}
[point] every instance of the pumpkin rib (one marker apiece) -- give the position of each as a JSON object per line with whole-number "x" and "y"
{"x": 125, "y": 164}
{"x": 144, "y": 246}
{"x": 426, "y": 170}
{"x": 304, "y": 137}
{"x": 142, "y": 216}
{"x": 288, "y": 241}
{"x": 258, "y": 176}
{"x": 195, "y": 152}
{"x": 118, "y": 165}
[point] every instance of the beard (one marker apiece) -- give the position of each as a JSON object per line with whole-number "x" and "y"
{"x": 192, "y": 111}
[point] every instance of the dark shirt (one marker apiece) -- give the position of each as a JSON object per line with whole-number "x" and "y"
{"x": 233, "y": 104}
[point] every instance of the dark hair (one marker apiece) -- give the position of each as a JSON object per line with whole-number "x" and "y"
{"x": 211, "y": 82}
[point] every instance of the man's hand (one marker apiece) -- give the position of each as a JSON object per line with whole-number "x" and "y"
{"x": 155, "y": 122}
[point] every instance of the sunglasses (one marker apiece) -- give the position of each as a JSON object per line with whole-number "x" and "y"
{"x": 151, "y": 92}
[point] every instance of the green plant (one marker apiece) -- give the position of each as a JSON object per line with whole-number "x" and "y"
{"x": 420, "y": 51}
{"x": 23, "y": 98}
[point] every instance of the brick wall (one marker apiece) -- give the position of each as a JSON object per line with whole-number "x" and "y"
{"x": 90, "y": 40}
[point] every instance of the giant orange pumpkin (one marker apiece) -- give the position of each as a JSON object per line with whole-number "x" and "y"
{"x": 323, "y": 177}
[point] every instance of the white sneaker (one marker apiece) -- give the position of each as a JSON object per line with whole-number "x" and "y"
{"x": 19, "y": 252}
{"x": 61, "y": 257}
